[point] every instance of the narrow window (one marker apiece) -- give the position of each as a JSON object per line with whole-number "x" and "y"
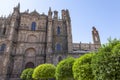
{"x": 3, "y": 46}
{"x": 33, "y": 26}
{"x": 58, "y": 30}
{"x": 58, "y": 47}
{"x": 4, "y": 30}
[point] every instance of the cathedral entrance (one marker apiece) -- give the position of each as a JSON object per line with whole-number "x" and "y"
{"x": 29, "y": 58}
{"x": 29, "y": 65}
{"x": 59, "y": 59}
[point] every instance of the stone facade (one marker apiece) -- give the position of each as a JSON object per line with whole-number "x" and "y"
{"x": 28, "y": 39}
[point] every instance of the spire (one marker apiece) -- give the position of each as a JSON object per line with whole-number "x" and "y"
{"x": 50, "y": 14}
{"x": 16, "y": 11}
{"x": 67, "y": 14}
{"x": 63, "y": 14}
{"x": 18, "y": 5}
{"x": 55, "y": 14}
{"x": 17, "y": 8}
{"x": 50, "y": 9}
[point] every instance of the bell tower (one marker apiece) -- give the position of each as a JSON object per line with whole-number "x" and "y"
{"x": 96, "y": 38}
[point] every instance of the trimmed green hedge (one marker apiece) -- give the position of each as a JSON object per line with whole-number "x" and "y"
{"x": 64, "y": 69}
{"x": 82, "y": 67}
{"x": 27, "y": 74}
{"x": 44, "y": 71}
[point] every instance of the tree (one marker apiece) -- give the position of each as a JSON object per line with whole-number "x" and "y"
{"x": 44, "y": 71}
{"x": 82, "y": 67}
{"x": 64, "y": 69}
{"x": 27, "y": 74}
{"x": 106, "y": 64}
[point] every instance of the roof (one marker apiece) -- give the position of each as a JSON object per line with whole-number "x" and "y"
{"x": 35, "y": 13}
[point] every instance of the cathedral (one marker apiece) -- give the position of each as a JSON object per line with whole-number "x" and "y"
{"x": 28, "y": 39}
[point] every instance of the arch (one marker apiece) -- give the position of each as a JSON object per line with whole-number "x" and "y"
{"x": 29, "y": 65}
{"x": 3, "y": 47}
{"x": 58, "y": 30}
{"x": 30, "y": 52}
{"x": 58, "y": 47}
{"x": 59, "y": 58}
{"x": 33, "y": 26}
{"x": 32, "y": 38}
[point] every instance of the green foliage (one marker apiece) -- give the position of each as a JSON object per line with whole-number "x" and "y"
{"x": 82, "y": 68}
{"x": 106, "y": 64}
{"x": 116, "y": 49}
{"x": 44, "y": 71}
{"x": 109, "y": 46}
{"x": 64, "y": 69}
{"x": 27, "y": 74}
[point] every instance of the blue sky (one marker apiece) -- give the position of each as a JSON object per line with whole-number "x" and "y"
{"x": 103, "y": 14}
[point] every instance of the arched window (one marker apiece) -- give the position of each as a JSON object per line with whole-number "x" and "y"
{"x": 33, "y": 26}
{"x": 58, "y": 47}
{"x": 3, "y": 46}
{"x": 58, "y": 30}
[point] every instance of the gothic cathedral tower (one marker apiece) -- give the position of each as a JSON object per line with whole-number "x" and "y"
{"x": 49, "y": 37}
{"x": 66, "y": 19}
{"x": 59, "y": 35}
{"x": 10, "y": 38}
